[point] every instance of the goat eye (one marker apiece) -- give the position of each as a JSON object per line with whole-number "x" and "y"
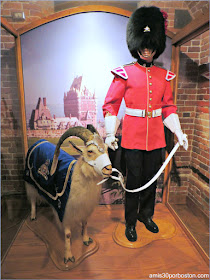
{"x": 90, "y": 152}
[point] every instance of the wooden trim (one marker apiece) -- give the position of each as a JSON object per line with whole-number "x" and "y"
{"x": 174, "y": 85}
{"x": 193, "y": 29}
{"x": 196, "y": 210}
{"x": 170, "y": 34}
{"x": 13, "y": 240}
{"x": 175, "y": 68}
{"x": 21, "y": 92}
{"x": 72, "y": 11}
{"x": 8, "y": 27}
{"x": 189, "y": 234}
{"x": 77, "y": 10}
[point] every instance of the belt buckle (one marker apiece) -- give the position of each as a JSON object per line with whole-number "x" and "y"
{"x": 149, "y": 114}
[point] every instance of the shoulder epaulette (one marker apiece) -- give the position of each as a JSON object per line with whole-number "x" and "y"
{"x": 170, "y": 76}
{"x": 120, "y": 71}
{"x": 131, "y": 63}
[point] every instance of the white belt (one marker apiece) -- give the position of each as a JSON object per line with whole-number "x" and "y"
{"x": 142, "y": 113}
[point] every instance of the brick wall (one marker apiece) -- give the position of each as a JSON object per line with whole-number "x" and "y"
{"x": 33, "y": 10}
{"x": 199, "y": 185}
{"x": 197, "y": 7}
{"x": 193, "y": 109}
{"x": 12, "y": 162}
{"x": 11, "y": 147}
{"x": 169, "y": 7}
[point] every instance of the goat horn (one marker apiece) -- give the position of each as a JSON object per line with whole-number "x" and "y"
{"x": 79, "y": 131}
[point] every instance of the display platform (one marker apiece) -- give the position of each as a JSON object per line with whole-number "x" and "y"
{"x": 46, "y": 229}
{"x": 166, "y": 230}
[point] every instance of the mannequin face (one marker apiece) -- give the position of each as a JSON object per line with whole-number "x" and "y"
{"x": 146, "y": 54}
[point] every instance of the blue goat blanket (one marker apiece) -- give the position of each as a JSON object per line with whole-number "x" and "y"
{"x": 56, "y": 188}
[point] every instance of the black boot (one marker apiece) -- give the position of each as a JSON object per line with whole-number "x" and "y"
{"x": 130, "y": 233}
{"x": 149, "y": 224}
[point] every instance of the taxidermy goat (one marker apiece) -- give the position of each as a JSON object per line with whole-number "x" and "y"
{"x": 69, "y": 186}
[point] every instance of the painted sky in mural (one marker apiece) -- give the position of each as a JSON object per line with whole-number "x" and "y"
{"x": 87, "y": 44}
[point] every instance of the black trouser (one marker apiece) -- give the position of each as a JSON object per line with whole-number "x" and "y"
{"x": 141, "y": 167}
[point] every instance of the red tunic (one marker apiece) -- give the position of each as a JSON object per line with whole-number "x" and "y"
{"x": 144, "y": 88}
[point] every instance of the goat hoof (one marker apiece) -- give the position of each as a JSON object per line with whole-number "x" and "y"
{"x": 87, "y": 243}
{"x": 72, "y": 259}
{"x": 33, "y": 219}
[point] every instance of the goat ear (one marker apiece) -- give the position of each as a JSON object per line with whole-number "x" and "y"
{"x": 92, "y": 128}
{"x": 76, "y": 148}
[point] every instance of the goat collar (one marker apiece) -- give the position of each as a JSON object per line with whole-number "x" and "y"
{"x": 99, "y": 163}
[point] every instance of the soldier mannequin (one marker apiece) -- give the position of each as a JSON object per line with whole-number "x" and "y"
{"x": 148, "y": 98}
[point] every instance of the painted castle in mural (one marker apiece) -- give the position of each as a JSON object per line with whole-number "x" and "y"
{"x": 80, "y": 103}
{"x": 79, "y": 109}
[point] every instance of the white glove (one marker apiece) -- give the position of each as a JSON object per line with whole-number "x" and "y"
{"x": 111, "y": 141}
{"x": 173, "y": 124}
{"x": 111, "y": 126}
{"x": 182, "y": 139}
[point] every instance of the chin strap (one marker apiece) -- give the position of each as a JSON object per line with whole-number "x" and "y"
{"x": 121, "y": 180}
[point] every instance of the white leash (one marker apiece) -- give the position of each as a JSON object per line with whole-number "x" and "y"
{"x": 121, "y": 180}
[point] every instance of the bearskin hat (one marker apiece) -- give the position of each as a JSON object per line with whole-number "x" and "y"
{"x": 146, "y": 28}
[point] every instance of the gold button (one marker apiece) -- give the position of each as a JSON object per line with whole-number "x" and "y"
{"x": 150, "y": 106}
{"x": 150, "y": 77}
{"x": 150, "y": 84}
{"x": 150, "y": 91}
{"x": 148, "y": 70}
{"x": 150, "y": 99}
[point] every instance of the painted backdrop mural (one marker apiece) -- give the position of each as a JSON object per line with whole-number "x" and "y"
{"x": 66, "y": 69}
